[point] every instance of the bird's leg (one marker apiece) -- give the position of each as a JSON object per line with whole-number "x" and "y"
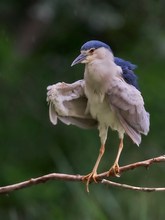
{"x": 93, "y": 174}
{"x": 115, "y": 168}
{"x": 103, "y": 130}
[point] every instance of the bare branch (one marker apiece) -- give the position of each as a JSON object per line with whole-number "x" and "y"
{"x": 38, "y": 180}
{"x": 136, "y": 188}
{"x": 144, "y": 163}
{"x": 100, "y": 177}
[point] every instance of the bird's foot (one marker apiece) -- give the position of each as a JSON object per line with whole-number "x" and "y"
{"x": 115, "y": 169}
{"x": 88, "y": 178}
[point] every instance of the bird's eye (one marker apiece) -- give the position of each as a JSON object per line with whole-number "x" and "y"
{"x": 92, "y": 50}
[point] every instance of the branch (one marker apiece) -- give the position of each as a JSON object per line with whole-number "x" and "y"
{"x": 100, "y": 177}
{"x": 144, "y": 163}
{"x": 136, "y": 188}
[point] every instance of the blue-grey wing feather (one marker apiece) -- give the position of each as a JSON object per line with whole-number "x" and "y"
{"x": 67, "y": 102}
{"x": 128, "y": 104}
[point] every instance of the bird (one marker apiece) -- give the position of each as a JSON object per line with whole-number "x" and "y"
{"x": 107, "y": 97}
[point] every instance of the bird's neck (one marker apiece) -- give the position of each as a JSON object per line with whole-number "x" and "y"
{"x": 99, "y": 73}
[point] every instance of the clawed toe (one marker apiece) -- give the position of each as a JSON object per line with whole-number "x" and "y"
{"x": 115, "y": 169}
{"x": 88, "y": 178}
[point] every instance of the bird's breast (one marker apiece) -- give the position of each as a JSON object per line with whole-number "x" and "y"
{"x": 100, "y": 109}
{"x": 98, "y": 81}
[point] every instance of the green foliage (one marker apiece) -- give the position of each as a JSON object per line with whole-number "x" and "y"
{"x": 38, "y": 41}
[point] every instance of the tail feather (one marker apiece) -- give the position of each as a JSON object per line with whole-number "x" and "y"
{"x": 134, "y": 135}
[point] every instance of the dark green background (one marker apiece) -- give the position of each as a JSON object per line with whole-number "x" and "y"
{"x": 38, "y": 42}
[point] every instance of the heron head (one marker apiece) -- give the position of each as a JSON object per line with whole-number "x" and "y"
{"x": 90, "y": 51}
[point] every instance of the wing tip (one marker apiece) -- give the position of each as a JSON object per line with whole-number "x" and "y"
{"x": 52, "y": 114}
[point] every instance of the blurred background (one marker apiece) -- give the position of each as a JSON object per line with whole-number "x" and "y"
{"x": 39, "y": 39}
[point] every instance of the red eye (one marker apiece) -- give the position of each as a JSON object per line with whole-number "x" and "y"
{"x": 92, "y": 50}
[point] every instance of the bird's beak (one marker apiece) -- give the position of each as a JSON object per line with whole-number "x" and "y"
{"x": 79, "y": 59}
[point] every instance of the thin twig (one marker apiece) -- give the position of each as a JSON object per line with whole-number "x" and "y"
{"x": 136, "y": 188}
{"x": 67, "y": 177}
{"x": 144, "y": 163}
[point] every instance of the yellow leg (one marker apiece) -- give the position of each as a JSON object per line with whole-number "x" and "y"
{"x": 115, "y": 168}
{"x": 93, "y": 174}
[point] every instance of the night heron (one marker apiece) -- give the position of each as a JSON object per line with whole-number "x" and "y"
{"x": 108, "y": 96}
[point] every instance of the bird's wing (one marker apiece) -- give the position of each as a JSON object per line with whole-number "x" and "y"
{"x": 128, "y": 104}
{"x": 67, "y": 102}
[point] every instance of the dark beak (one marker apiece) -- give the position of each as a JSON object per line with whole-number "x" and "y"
{"x": 79, "y": 59}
